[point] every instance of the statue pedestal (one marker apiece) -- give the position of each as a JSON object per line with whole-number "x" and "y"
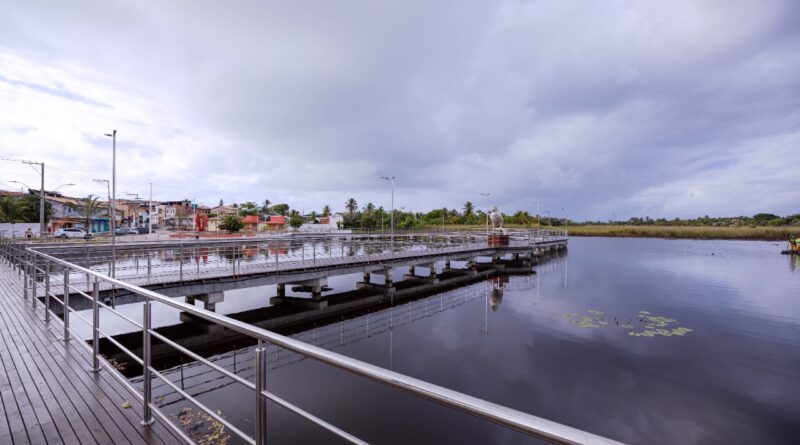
{"x": 497, "y": 240}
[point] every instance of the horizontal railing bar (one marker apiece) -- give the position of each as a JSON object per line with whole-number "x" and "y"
{"x": 312, "y": 418}
{"x": 203, "y": 360}
{"x": 207, "y": 410}
{"x": 127, "y": 351}
{"x": 157, "y": 411}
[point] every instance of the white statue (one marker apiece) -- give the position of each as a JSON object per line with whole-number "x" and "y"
{"x": 497, "y": 218}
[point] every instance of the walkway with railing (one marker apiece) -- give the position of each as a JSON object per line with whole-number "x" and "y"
{"x": 48, "y": 393}
{"x": 45, "y": 272}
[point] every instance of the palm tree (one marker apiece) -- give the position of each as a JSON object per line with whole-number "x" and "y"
{"x": 370, "y": 207}
{"x": 10, "y": 210}
{"x": 326, "y": 211}
{"x": 88, "y": 207}
{"x": 468, "y": 208}
{"x": 267, "y": 203}
{"x": 351, "y": 205}
{"x": 313, "y": 216}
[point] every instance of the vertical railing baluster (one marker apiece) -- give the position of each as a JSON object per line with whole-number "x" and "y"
{"x": 147, "y": 415}
{"x": 34, "y": 274}
{"x": 25, "y": 277}
{"x": 95, "y": 326}
{"x": 65, "y": 299}
{"x": 46, "y": 290}
{"x": 261, "y": 403}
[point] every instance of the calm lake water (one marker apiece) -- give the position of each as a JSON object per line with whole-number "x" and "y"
{"x": 569, "y": 344}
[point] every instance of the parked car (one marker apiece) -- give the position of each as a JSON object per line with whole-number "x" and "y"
{"x": 144, "y": 230}
{"x": 72, "y": 233}
{"x": 125, "y": 231}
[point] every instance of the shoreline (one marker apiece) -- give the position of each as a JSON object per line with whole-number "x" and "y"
{"x": 773, "y": 234}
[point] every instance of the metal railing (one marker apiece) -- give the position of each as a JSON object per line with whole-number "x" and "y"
{"x": 41, "y": 267}
{"x": 145, "y": 263}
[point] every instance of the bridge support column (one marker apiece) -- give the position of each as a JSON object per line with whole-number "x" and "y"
{"x": 281, "y": 290}
{"x": 411, "y": 270}
{"x": 366, "y": 277}
{"x": 209, "y": 300}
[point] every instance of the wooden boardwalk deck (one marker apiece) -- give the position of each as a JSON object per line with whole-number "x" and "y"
{"x": 48, "y": 394}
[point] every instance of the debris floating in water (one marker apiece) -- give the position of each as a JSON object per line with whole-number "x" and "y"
{"x": 650, "y": 325}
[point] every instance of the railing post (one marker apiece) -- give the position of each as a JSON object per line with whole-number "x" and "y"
{"x": 65, "y": 299}
{"x": 46, "y": 290}
{"x": 25, "y": 277}
{"x": 34, "y": 274}
{"x": 95, "y": 326}
{"x": 261, "y": 385}
{"x": 147, "y": 415}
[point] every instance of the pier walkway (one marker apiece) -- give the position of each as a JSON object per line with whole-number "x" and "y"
{"x": 48, "y": 393}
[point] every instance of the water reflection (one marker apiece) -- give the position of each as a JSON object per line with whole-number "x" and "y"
{"x": 733, "y": 379}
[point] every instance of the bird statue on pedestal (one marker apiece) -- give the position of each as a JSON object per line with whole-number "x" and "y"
{"x": 496, "y": 218}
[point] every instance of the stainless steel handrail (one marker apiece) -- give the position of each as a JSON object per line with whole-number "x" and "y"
{"x": 505, "y": 416}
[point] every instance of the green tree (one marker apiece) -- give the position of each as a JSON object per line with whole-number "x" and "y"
{"x": 314, "y": 216}
{"x": 369, "y": 208}
{"x": 281, "y": 209}
{"x": 296, "y": 220}
{"x": 469, "y": 208}
{"x": 88, "y": 207}
{"x": 351, "y": 205}
{"x": 231, "y": 223}
{"x": 30, "y": 208}
{"x": 326, "y": 211}
{"x": 265, "y": 208}
{"x": 248, "y": 208}
{"x": 10, "y": 210}
{"x": 220, "y": 202}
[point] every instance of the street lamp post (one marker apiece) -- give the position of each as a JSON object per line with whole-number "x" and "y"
{"x": 113, "y": 136}
{"x": 391, "y": 220}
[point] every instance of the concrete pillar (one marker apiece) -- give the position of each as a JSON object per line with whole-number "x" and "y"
{"x": 366, "y": 277}
{"x": 446, "y": 264}
{"x": 388, "y": 278}
{"x": 316, "y": 293}
{"x": 411, "y": 270}
{"x": 281, "y": 289}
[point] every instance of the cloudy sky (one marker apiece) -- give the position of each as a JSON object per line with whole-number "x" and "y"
{"x": 678, "y": 108}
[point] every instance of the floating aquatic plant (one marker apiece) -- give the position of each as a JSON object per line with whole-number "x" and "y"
{"x": 650, "y": 325}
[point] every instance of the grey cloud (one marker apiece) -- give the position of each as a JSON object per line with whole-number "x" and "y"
{"x": 599, "y": 108}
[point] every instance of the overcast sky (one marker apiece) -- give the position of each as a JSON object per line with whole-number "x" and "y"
{"x": 668, "y": 108}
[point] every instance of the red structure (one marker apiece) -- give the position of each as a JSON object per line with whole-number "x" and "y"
{"x": 201, "y": 220}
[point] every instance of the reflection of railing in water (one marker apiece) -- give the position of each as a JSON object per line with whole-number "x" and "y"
{"x": 330, "y": 337}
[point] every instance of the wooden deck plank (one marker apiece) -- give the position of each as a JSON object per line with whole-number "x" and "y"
{"x": 47, "y": 393}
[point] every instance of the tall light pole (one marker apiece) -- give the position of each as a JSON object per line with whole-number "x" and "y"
{"x": 392, "y": 215}
{"x": 565, "y": 218}
{"x": 113, "y": 136}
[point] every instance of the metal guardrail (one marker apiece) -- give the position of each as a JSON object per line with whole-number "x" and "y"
{"x": 38, "y": 266}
